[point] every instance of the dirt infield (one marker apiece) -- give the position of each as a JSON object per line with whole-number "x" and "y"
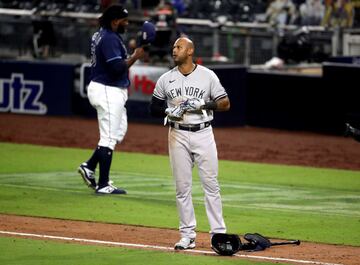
{"x": 240, "y": 143}
{"x": 320, "y": 253}
{"x": 243, "y": 144}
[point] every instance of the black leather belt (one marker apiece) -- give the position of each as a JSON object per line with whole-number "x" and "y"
{"x": 190, "y": 127}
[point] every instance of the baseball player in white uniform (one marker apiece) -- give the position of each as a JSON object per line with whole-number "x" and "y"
{"x": 187, "y": 95}
{"x": 108, "y": 93}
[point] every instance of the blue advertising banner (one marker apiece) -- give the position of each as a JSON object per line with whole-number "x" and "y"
{"x": 40, "y": 88}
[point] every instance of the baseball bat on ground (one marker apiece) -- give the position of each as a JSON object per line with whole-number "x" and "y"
{"x": 290, "y": 242}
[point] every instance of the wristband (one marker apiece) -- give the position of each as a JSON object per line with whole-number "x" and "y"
{"x": 210, "y": 105}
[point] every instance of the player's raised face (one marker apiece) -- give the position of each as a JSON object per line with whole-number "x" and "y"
{"x": 120, "y": 25}
{"x": 183, "y": 50}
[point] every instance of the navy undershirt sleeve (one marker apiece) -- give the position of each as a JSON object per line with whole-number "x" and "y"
{"x": 157, "y": 107}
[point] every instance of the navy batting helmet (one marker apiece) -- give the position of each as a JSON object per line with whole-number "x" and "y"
{"x": 147, "y": 34}
{"x": 225, "y": 244}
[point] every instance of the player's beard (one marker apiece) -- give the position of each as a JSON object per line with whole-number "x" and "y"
{"x": 121, "y": 29}
{"x": 178, "y": 60}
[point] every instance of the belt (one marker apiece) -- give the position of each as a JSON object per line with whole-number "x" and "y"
{"x": 190, "y": 127}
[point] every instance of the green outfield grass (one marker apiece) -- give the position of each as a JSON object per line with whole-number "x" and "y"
{"x": 290, "y": 202}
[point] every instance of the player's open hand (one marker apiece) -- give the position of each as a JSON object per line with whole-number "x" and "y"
{"x": 138, "y": 53}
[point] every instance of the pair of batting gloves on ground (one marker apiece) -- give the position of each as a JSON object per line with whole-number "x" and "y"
{"x": 192, "y": 104}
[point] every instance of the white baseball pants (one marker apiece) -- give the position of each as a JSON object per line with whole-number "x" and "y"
{"x": 185, "y": 150}
{"x": 109, "y": 103}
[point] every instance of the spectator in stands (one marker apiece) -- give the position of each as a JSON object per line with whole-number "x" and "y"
{"x": 295, "y": 46}
{"x": 338, "y": 13}
{"x": 201, "y": 9}
{"x": 106, "y": 3}
{"x": 281, "y": 12}
{"x": 44, "y": 39}
{"x": 312, "y": 12}
{"x": 179, "y": 6}
{"x": 165, "y": 22}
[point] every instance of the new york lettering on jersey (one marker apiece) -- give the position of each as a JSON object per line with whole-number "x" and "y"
{"x": 188, "y": 91}
{"x": 199, "y": 84}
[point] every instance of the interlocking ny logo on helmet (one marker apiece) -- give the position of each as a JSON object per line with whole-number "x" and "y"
{"x": 148, "y": 33}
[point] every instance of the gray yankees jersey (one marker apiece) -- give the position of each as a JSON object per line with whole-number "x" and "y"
{"x": 202, "y": 83}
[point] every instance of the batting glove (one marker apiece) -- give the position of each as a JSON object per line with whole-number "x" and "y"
{"x": 175, "y": 113}
{"x": 193, "y": 104}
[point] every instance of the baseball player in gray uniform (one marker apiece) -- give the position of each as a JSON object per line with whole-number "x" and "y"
{"x": 187, "y": 95}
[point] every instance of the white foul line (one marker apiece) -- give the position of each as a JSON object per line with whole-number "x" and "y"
{"x": 290, "y": 260}
{"x": 157, "y": 247}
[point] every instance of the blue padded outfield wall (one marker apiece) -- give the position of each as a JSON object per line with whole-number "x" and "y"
{"x": 36, "y": 87}
{"x": 258, "y": 98}
{"x": 305, "y": 102}
{"x": 342, "y": 80}
{"x": 285, "y": 101}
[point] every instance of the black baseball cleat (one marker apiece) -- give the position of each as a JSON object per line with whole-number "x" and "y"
{"x": 87, "y": 175}
{"x": 349, "y": 130}
{"x": 352, "y": 132}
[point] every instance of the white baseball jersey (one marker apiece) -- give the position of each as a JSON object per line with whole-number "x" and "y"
{"x": 202, "y": 83}
{"x": 187, "y": 148}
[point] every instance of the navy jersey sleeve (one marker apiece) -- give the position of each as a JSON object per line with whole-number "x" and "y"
{"x": 111, "y": 49}
{"x": 114, "y": 55}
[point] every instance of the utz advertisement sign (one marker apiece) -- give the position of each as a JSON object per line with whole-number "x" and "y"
{"x": 19, "y": 95}
{"x": 32, "y": 87}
